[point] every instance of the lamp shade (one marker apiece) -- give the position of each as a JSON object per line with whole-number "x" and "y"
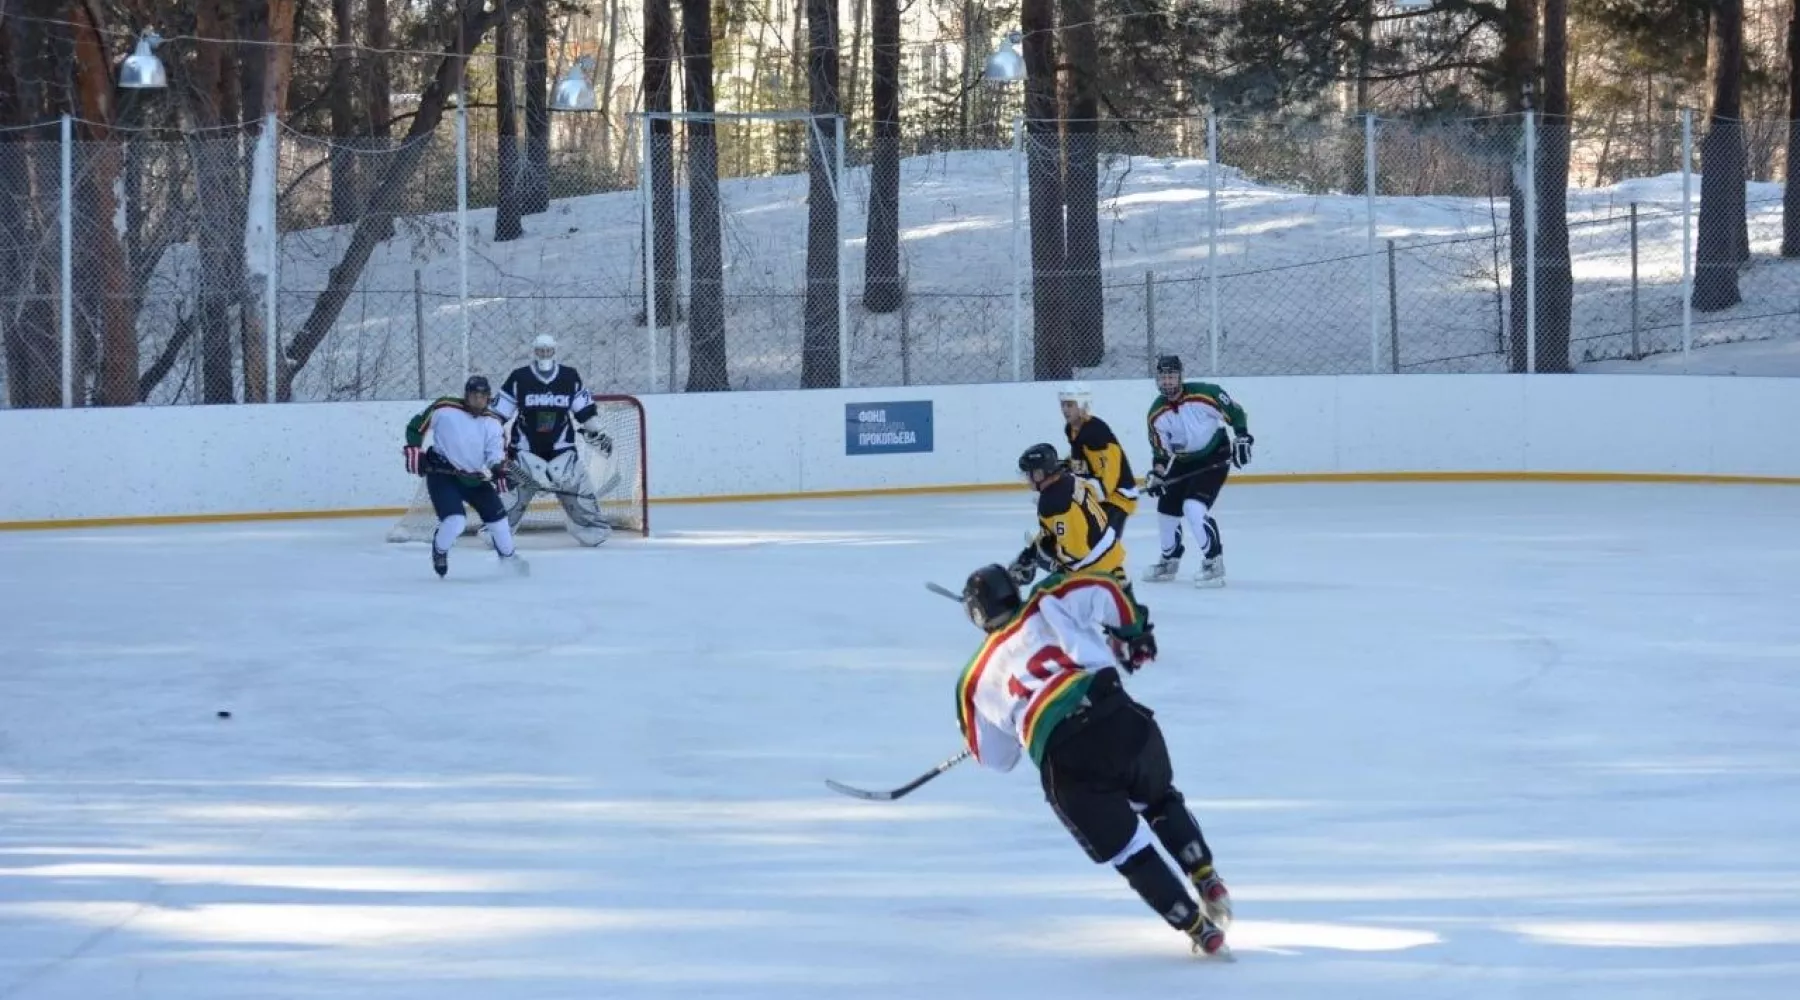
{"x": 1006, "y": 65}
{"x": 142, "y": 69}
{"x": 573, "y": 91}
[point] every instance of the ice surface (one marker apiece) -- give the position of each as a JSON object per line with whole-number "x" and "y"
{"x": 1470, "y": 741}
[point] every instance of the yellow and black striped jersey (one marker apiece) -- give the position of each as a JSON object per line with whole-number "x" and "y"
{"x": 1095, "y": 452}
{"x": 1073, "y": 528}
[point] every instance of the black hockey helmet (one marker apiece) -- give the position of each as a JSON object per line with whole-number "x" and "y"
{"x": 477, "y": 383}
{"x": 991, "y": 597}
{"x": 1168, "y": 375}
{"x": 1039, "y": 458}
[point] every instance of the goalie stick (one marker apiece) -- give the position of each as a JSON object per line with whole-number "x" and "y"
{"x": 892, "y": 794}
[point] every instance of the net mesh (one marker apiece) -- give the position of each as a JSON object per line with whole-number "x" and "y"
{"x": 618, "y": 481}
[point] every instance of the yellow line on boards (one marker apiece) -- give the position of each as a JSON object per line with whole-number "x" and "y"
{"x": 1248, "y": 479}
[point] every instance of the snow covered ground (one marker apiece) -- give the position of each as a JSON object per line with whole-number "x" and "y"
{"x": 1295, "y": 292}
{"x": 1472, "y": 741}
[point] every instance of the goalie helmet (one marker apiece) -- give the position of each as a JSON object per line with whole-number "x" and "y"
{"x": 990, "y": 597}
{"x": 543, "y": 354}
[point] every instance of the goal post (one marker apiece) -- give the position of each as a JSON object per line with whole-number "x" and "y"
{"x": 762, "y": 162}
{"x": 618, "y": 482}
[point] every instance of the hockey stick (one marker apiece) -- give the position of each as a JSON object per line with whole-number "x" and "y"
{"x": 903, "y": 790}
{"x": 1165, "y": 484}
{"x": 943, "y": 592}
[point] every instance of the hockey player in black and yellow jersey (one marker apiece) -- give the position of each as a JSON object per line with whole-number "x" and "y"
{"x": 1074, "y": 533}
{"x": 1095, "y": 452}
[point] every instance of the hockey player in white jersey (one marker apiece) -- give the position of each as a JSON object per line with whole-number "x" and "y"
{"x": 1046, "y": 683}
{"x": 456, "y": 445}
{"x": 1197, "y": 434}
{"x": 548, "y": 406}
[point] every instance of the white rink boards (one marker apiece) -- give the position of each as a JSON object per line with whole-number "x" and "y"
{"x": 1472, "y": 741}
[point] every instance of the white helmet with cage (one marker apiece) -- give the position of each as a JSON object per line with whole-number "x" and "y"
{"x": 1077, "y": 393}
{"x": 543, "y": 354}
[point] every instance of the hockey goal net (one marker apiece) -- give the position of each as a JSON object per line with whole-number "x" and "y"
{"x": 619, "y": 482}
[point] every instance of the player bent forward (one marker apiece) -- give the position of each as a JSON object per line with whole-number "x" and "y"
{"x": 1046, "y": 681}
{"x": 547, "y": 404}
{"x": 1192, "y": 455}
{"x": 462, "y": 465}
{"x": 1075, "y": 532}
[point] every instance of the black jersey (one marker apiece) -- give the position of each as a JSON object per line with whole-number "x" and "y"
{"x": 548, "y": 409}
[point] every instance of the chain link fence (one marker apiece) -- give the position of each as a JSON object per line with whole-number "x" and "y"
{"x": 220, "y": 267}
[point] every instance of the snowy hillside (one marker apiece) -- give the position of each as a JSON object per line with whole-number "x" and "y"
{"x": 1294, "y": 293}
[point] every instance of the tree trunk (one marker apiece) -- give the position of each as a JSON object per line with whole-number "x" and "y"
{"x": 1519, "y": 72}
{"x": 605, "y": 95}
{"x": 380, "y": 105}
{"x": 1052, "y": 356}
{"x": 346, "y": 199}
{"x": 220, "y": 84}
{"x": 101, "y": 252}
{"x": 707, "y": 368}
{"x": 277, "y": 73}
{"x": 882, "y": 290}
{"x": 852, "y": 102}
{"x": 1086, "y": 302}
{"x": 28, "y": 185}
{"x": 474, "y": 21}
{"x": 1790, "y": 188}
{"x": 534, "y": 196}
{"x": 819, "y": 352}
{"x": 658, "y": 44}
{"x": 1716, "y": 251}
{"x": 1556, "y": 278}
{"x": 507, "y": 206}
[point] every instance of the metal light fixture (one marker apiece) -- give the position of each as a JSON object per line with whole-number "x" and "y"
{"x": 1006, "y": 65}
{"x": 142, "y": 69}
{"x": 573, "y": 91}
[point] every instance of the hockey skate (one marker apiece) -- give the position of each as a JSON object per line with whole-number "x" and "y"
{"x": 1163, "y": 570}
{"x": 1209, "y": 940}
{"x": 1212, "y": 573}
{"x": 1214, "y": 897}
{"x": 440, "y": 561}
{"x": 515, "y": 564}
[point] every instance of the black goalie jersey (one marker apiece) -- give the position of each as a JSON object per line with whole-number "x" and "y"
{"x": 548, "y": 409}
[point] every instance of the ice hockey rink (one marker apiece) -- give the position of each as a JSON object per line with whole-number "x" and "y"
{"x": 1448, "y": 741}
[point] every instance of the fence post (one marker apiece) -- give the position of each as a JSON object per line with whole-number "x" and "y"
{"x": 843, "y": 240}
{"x": 1150, "y": 318}
{"x": 1018, "y": 304}
{"x": 419, "y": 328}
{"x": 1687, "y": 233}
{"x": 1374, "y": 261}
{"x": 462, "y": 218}
{"x": 905, "y": 328}
{"x": 1212, "y": 236}
{"x": 1393, "y": 311}
{"x": 647, "y": 194}
{"x": 1635, "y": 352}
{"x": 1531, "y": 232}
{"x": 272, "y": 277}
{"x": 66, "y": 219}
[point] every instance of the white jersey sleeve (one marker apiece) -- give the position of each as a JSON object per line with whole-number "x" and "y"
{"x": 1076, "y": 618}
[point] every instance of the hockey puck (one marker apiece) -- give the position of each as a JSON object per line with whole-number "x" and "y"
{"x": 224, "y": 714}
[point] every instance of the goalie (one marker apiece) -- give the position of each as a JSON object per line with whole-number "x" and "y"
{"x": 548, "y": 406}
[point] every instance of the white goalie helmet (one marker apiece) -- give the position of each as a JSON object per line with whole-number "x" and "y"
{"x": 543, "y": 354}
{"x": 1077, "y": 393}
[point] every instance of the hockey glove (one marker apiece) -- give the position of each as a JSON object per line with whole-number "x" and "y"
{"x": 1153, "y": 483}
{"x": 1024, "y": 569}
{"x": 414, "y": 457}
{"x": 1137, "y": 650}
{"x": 1240, "y": 449}
{"x": 598, "y": 439}
{"x": 497, "y": 476}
